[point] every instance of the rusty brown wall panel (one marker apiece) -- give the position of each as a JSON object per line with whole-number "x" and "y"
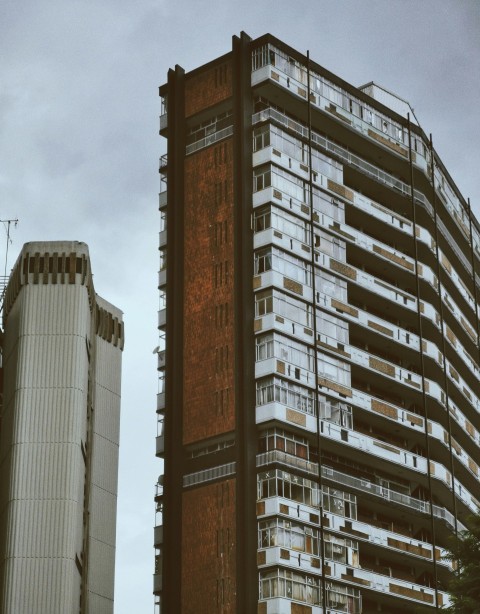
{"x": 208, "y": 407}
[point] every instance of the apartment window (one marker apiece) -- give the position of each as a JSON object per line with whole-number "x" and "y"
{"x": 334, "y": 369}
{"x": 278, "y": 483}
{"x": 330, "y": 245}
{"x": 268, "y": 301}
{"x": 288, "y": 534}
{"x": 343, "y": 598}
{"x": 337, "y": 549}
{"x": 329, "y": 206}
{"x": 339, "y": 502}
{"x": 279, "y": 439}
{"x": 262, "y": 219}
{"x": 331, "y": 286}
{"x": 272, "y": 258}
{"x": 290, "y": 225}
{"x": 336, "y": 412}
{"x": 261, "y": 137}
{"x": 291, "y": 585}
{"x": 261, "y": 178}
{"x": 290, "y": 185}
{"x": 332, "y": 328}
{"x": 262, "y": 57}
{"x": 263, "y": 302}
{"x": 285, "y": 349}
{"x": 290, "y": 394}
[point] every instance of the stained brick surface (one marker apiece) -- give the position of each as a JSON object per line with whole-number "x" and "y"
{"x": 208, "y": 307}
{"x": 208, "y": 549}
{"x": 208, "y": 88}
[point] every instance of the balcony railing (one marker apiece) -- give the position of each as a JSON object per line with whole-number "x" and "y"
{"x": 357, "y": 484}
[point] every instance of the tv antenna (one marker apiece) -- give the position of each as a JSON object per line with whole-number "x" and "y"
{"x": 4, "y": 278}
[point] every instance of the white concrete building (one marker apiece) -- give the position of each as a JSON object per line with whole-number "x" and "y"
{"x": 59, "y": 435}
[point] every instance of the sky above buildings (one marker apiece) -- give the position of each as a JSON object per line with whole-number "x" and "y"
{"x": 79, "y": 151}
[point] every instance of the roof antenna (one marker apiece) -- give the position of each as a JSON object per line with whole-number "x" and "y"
{"x": 4, "y": 279}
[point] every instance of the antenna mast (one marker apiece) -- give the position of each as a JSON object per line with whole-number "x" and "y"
{"x": 4, "y": 277}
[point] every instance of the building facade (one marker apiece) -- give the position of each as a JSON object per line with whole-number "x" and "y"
{"x": 61, "y": 364}
{"x": 318, "y": 405}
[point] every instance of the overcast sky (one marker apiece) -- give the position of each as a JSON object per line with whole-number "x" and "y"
{"x": 79, "y": 150}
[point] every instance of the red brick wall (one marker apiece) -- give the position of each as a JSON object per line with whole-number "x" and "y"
{"x": 208, "y": 549}
{"x": 208, "y": 408}
{"x": 207, "y": 88}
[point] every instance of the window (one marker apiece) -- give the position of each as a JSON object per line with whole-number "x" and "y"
{"x": 332, "y": 286}
{"x": 262, "y": 219}
{"x": 272, "y": 258}
{"x": 329, "y": 206}
{"x": 261, "y": 178}
{"x": 261, "y": 137}
{"x": 278, "y": 483}
{"x": 282, "y": 532}
{"x": 285, "y": 583}
{"x": 288, "y": 393}
{"x": 334, "y": 369}
{"x": 343, "y": 598}
{"x": 268, "y": 301}
{"x": 263, "y": 303}
{"x": 335, "y": 411}
{"x": 328, "y": 244}
{"x": 337, "y": 549}
{"x": 332, "y": 329}
{"x": 279, "y": 439}
{"x": 284, "y": 349}
{"x": 339, "y": 502}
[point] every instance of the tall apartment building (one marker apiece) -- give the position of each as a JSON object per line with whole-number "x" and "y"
{"x": 62, "y": 348}
{"x": 319, "y": 401}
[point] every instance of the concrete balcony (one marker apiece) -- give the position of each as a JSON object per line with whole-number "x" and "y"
{"x": 160, "y": 402}
{"x": 279, "y": 605}
{"x": 272, "y": 321}
{"x": 368, "y": 579}
{"x": 274, "y": 365}
{"x": 157, "y": 583}
{"x": 272, "y": 236}
{"x": 162, "y": 199}
{"x": 352, "y": 484}
{"x": 275, "y": 195}
{"x": 281, "y": 413}
{"x": 345, "y": 118}
{"x": 162, "y": 318}
{"x": 160, "y": 445}
{"x": 162, "y": 277}
{"x": 161, "y": 356}
{"x": 163, "y": 122}
{"x": 384, "y": 538}
{"x": 158, "y": 536}
{"x": 298, "y": 287}
{"x": 278, "y": 555}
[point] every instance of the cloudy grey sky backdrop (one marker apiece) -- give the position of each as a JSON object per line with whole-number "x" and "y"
{"x": 79, "y": 151}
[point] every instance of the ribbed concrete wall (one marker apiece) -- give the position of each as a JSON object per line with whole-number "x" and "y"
{"x": 46, "y": 378}
{"x": 103, "y": 495}
{"x": 52, "y": 539}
